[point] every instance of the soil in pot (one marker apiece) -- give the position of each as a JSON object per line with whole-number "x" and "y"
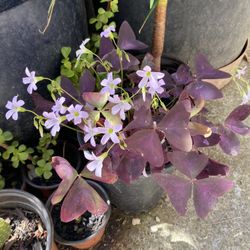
{"x": 27, "y": 230}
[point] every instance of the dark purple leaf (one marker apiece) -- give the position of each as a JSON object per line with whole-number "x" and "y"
{"x": 114, "y": 59}
{"x": 234, "y": 120}
{"x": 183, "y": 75}
{"x": 213, "y": 168}
{"x": 178, "y": 190}
{"x": 205, "y": 70}
{"x": 190, "y": 164}
{"x": 81, "y": 198}
{"x": 142, "y": 119}
{"x": 175, "y": 126}
{"x": 127, "y": 39}
{"x": 146, "y": 142}
{"x": 108, "y": 174}
{"x": 41, "y": 104}
{"x": 229, "y": 142}
{"x": 68, "y": 86}
{"x": 201, "y": 141}
{"x": 106, "y": 46}
{"x": 68, "y": 175}
{"x": 129, "y": 166}
{"x": 207, "y": 191}
{"x": 87, "y": 82}
{"x": 205, "y": 90}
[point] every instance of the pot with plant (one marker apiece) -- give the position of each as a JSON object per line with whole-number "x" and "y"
{"x": 135, "y": 117}
{"x": 24, "y": 222}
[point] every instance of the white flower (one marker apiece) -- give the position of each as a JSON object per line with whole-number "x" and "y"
{"x": 83, "y": 49}
{"x": 14, "y": 107}
{"x": 53, "y": 122}
{"x": 121, "y": 106}
{"x": 108, "y": 31}
{"x": 96, "y": 163}
{"x": 110, "y": 84}
{"x": 76, "y": 114}
{"x": 158, "y": 88}
{"x": 31, "y": 80}
{"x": 246, "y": 97}
{"x": 149, "y": 78}
{"x": 58, "y": 107}
{"x": 240, "y": 72}
{"x": 109, "y": 132}
{"x": 90, "y": 133}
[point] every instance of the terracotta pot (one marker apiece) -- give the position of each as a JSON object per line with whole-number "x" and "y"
{"x": 93, "y": 239}
{"x": 11, "y": 198}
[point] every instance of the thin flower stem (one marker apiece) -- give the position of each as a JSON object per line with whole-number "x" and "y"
{"x": 67, "y": 93}
{"x": 77, "y": 130}
{"x": 161, "y": 102}
{"x": 32, "y": 112}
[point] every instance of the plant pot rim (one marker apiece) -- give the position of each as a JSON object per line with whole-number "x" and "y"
{"x": 54, "y": 186}
{"x": 13, "y": 198}
{"x": 62, "y": 241}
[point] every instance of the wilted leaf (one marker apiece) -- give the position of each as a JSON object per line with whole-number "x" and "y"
{"x": 189, "y": 163}
{"x": 81, "y": 198}
{"x": 96, "y": 99}
{"x": 199, "y": 129}
{"x": 207, "y": 191}
{"x": 178, "y": 190}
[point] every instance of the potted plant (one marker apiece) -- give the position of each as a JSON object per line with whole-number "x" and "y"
{"x": 135, "y": 118}
{"x": 24, "y": 222}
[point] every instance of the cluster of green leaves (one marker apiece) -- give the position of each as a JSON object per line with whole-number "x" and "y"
{"x": 102, "y": 20}
{"x": 73, "y": 69}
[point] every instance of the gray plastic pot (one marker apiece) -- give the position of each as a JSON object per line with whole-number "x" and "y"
{"x": 11, "y": 198}
{"x": 23, "y": 45}
{"x": 93, "y": 239}
{"x": 218, "y": 29}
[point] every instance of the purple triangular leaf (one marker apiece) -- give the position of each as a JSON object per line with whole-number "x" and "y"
{"x": 178, "y": 190}
{"x": 229, "y": 142}
{"x": 190, "y": 164}
{"x": 235, "y": 118}
{"x": 146, "y": 142}
{"x": 87, "y": 82}
{"x": 205, "y": 90}
{"x": 106, "y": 46}
{"x": 175, "y": 126}
{"x": 127, "y": 39}
{"x": 213, "y": 168}
{"x": 41, "y": 104}
{"x": 68, "y": 86}
{"x": 68, "y": 175}
{"x": 141, "y": 119}
{"x": 81, "y": 198}
{"x": 205, "y": 70}
{"x": 201, "y": 141}
{"x": 183, "y": 75}
{"x": 207, "y": 191}
{"x": 148, "y": 60}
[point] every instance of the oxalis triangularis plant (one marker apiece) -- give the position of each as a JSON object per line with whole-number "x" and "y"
{"x": 134, "y": 119}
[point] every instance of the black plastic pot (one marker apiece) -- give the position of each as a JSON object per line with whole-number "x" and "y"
{"x": 93, "y": 239}
{"x": 219, "y": 29}
{"x": 21, "y": 45}
{"x": 12, "y": 199}
{"x": 71, "y": 154}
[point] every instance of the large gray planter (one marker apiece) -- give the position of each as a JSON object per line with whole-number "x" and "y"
{"x": 216, "y": 28}
{"x": 21, "y": 45}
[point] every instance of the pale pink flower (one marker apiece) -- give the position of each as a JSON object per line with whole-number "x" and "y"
{"x": 58, "y": 107}
{"x": 53, "y": 122}
{"x": 121, "y": 106}
{"x": 76, "y": 114}
{"x": 90, "y": 133}
{"x": 31, "y": 80}
{"x": 110, "y": 84}
{"x": 240, "y": 72}
{"x": 108, "y": 31}
{"x": 96, "y": 163}
{"x": 14, "y": 107}
{"x": 83, "y": 49}
{"x": 158, "y": 89}
{"x": 109, "y": 132}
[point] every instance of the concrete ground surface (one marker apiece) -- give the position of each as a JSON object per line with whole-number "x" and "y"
{"x": 227, "y": 227}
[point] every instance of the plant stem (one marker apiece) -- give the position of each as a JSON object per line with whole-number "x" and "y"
{"x": 159, "y": 33}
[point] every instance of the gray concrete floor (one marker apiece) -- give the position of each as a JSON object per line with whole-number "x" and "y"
{"x": 226, "y": 227}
